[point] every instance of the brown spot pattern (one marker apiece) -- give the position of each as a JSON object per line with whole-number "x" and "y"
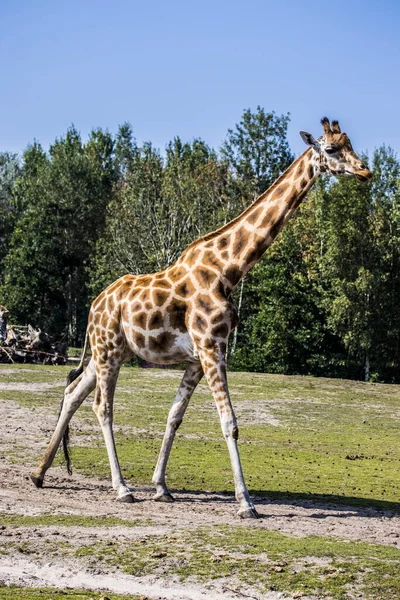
{"x": 300, "y": 169}
{"x": 221, "y": 330}
{"x": 177, "y": 315}
{"x": 204, "y": 276}
{"x": 204, "y": 303}
{"x": 162, "y": 343}
{"x": 211, "y": 259}
{"x": 140, "y": 320}
{"x": 254, "y": 215}
{"x": 162, "y": 283}
{"x": 233, "y": 274}
{"x": 160, "y": 298}
{"x": 281, "y": 190}
{"x": 223, "y": 242}
{"x": 156, "y": 320}
{"x": 200, "y": 323}
{"x": 239, "y": 242}
{"x": 185, "y": 288}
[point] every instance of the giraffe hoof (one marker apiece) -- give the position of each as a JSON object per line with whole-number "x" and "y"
{"x": 164, "y": 497}
{"x": 37, "y": 481}
{"x": 248, "y": 513}
{"x": 128, "y": 498}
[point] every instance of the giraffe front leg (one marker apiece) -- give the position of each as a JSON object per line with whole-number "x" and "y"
{"x": 103, "y": 407}
{"x": 214, "y": 364}
{"x": 190, "y": 379}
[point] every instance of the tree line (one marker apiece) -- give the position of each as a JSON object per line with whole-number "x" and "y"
{"x": 323, "y": 300}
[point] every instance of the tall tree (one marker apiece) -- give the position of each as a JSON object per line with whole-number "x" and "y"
{"x": 64, "y": 196}
{"x": 257, "y": 152}
{"x": 10, "y": 170}
{"x": 347, "y": 266}
{"x": 32, "y": 282}
{"x": 161, "y": 206}
{"x": 284, "y": 330}
{"x": 324, "y": 299}
{"x": 385, "y": 228}
{"x": 126, "y": 150}
{"x": 358, "y": 234}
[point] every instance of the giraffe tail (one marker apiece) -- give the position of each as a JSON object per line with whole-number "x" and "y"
{"x": 74, "y": 374}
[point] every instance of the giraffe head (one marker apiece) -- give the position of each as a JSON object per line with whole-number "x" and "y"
{"x": 335, "y": 153}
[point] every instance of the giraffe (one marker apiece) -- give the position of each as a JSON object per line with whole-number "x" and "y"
{"x": 185, "y": 313}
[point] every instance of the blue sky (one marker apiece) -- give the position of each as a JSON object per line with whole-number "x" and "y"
{"x": 190, "y": 68}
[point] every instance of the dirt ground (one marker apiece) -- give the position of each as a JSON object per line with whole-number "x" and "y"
{"x": 80, "y": 495}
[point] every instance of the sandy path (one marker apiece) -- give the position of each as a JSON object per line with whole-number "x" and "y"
{"x": 23, "y": 572}
{"x": 86, "y": 496}
{"x": 81, "y": 495}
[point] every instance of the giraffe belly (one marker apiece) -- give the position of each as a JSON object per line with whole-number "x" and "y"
{"x": 163, "y": 346}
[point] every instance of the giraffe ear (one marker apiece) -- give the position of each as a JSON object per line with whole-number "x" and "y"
{"x": 309, "y": 139}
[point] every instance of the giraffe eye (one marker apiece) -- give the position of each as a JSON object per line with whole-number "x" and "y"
{"x": 331, "y": 150}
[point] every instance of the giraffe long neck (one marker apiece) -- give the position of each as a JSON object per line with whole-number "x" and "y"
{"x": 243, "y": 241}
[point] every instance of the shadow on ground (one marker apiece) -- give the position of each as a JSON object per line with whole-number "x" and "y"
{"x": 345, "y": 505}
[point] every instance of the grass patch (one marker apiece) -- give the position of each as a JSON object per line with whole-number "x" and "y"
{"x": 300, "y": 437}
{"x": 12, "y": 592}
{"x": 243, "y": 556}
{"x": 66, "y": 521}
{"x": 336, "y": 440}
{"x": 264, "y": 560}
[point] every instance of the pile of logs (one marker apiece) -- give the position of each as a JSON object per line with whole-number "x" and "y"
{"x": 30, "y": 345}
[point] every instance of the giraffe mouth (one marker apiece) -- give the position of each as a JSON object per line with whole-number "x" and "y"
{"x": 364, "y": 176}
{"x": 360, "y": 175}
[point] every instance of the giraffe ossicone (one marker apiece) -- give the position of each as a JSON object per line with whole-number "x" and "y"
{"x": 185, "y": 313}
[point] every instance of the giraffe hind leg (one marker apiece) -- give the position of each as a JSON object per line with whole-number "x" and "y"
{"x": 103, "y": 407}
{"x": 74, "y": 395}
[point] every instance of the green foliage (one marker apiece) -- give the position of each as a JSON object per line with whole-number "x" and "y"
{"x": 323, "y": 300}
{"x": 257, "y": 151}
{"x": 284, "y": 330}
{"x": 161, "y": 206}
{"x": 63, "y": 196}
{"x": 358, "y": 227}
{"x": 10, "y": 170}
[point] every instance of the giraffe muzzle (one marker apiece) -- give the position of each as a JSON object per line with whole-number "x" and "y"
{"x": 364, "y": 175}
